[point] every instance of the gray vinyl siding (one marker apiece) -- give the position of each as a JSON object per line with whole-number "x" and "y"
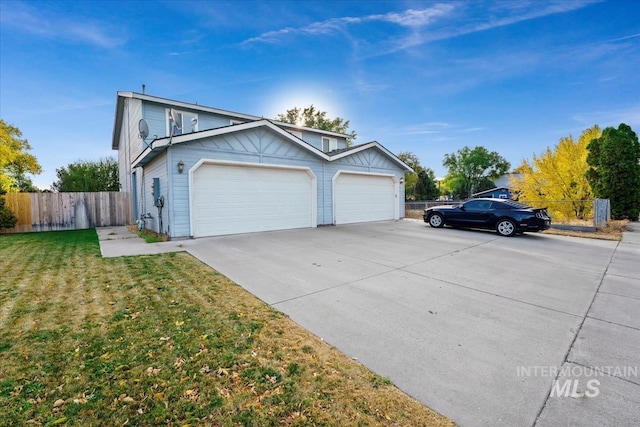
{"x": 315, "y": 139}
{"x": 156, "y": 169}
{"x": 156, "y": 117}
{"x": 129, "y": 145}
{"x": 371, "y": 160}
{"x": 256, "y": 146}
{"x": 251, "y": 146}
{"x": 212, "y": 121}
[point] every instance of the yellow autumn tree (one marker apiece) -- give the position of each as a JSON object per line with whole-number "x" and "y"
{"x": 557, "y": 178}
{"x": 15, "y": 161}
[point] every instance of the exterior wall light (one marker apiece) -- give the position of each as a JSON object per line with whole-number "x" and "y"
{"x": 180, "y": 166}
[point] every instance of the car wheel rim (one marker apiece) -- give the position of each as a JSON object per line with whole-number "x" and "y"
{"x": 436, "y": 220}
{"x": 505, "y": 227}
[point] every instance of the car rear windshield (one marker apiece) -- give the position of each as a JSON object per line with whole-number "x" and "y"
{"x": 515, "y": 204}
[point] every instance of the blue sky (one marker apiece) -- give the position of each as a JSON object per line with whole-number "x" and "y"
{"x": 425, "y": 77}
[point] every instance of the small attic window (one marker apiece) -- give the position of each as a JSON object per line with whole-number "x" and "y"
{"x": 181, "y": 122}
{"x": 329, "y": 144}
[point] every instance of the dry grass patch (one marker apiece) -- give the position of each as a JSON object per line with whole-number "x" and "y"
{"x": 415, "y": 214}
{"x": 612, "y": 231}
{"x": 164, "y": 340}
{"x": 148, "y": 235}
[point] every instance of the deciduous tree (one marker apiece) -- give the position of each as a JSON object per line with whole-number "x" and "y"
{"x": 557, "y": 177}
{"x": 614, "y": 171}
{"x": 15, "y": 161}
{"x": 101, "y": 175}
{"x": 471, "y": 168}
{"x": 410, "y": 178}
{"x": 312, "y": 118}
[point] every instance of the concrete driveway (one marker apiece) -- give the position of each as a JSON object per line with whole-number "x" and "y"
{"x": 476, "y": 326}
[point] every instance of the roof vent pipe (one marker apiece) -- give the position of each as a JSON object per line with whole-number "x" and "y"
{"x": 143, "y": 88}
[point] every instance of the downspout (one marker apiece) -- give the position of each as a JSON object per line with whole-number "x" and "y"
{"x": 324, "y": 194}
{"x": 169, "y": 189}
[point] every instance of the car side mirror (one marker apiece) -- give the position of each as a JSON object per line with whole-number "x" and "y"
{"x": 462, "y": 208}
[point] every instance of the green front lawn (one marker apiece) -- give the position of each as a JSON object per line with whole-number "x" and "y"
{"x": 165, "y": 340}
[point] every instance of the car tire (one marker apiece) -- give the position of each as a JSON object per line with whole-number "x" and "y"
{"x": 436, "y": 220}
{"x": 506, "y": 227}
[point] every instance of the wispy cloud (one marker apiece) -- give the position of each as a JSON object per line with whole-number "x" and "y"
{"x": 419, "y": 26}
{"x": 613, "y": 117}
{"x": 632, "y": 36}
{"x": 434, "y": 128}
{"x": 410, "y": 18}
{"x": 32, "y": 20}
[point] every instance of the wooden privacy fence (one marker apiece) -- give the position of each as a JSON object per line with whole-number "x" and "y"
{"x": 67, "y": 211}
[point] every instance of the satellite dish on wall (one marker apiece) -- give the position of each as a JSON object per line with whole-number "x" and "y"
{"x": 143, "y": 127}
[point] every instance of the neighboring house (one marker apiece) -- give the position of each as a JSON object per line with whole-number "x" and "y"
{"x": 503, "y": 188}
{"x": 200, "y": 171}
{"x": 496, "y": 193}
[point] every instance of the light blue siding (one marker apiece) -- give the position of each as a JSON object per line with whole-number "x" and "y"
{"x": 256, "y": 145}
{"x": 212, "y": 121}
{"x": 156, "y": 117}
{"x": 315, "y": 140}
{"x": 371, "y": 160}
{"x": 251, "y": 146}
{"x": 156, "y": 169}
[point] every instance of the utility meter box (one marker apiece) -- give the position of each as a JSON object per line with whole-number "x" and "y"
{"x": 156, "y": 191}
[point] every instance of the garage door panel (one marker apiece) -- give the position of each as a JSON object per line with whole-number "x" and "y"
{"x": 363, "y": 198}
{"x": 244, "y": 199}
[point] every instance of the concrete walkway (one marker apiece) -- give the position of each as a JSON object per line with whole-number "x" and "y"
{"x": 119, "y": 241}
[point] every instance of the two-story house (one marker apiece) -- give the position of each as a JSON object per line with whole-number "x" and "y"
{"x": 196, "y": 171}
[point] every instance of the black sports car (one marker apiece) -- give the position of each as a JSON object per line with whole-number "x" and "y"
{"x": 505, "y": 216}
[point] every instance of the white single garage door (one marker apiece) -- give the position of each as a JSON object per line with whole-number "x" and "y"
{"x": 364, "y": 197}
{"x": 231, "y": 199}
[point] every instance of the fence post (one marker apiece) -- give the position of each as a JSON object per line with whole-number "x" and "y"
{"x": 601, "y": 212}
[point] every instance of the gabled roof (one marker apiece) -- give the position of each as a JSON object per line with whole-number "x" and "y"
{"x": 345, "y": 152}
{"x": 158, "y": 145}
{"x": 119, "y": 115}
{"x": 492, "y": 190}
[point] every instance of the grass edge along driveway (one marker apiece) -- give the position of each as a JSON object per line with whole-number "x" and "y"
{"x": 165, "y": 340}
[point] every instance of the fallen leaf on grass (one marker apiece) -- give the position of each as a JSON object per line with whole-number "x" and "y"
{"x": 191, "y": 394}
{"x": 153, "y": 371}
{"x": 58, "y": 403}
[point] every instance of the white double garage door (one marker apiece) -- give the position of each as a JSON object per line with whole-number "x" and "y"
{"x": 232, "y": 198}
